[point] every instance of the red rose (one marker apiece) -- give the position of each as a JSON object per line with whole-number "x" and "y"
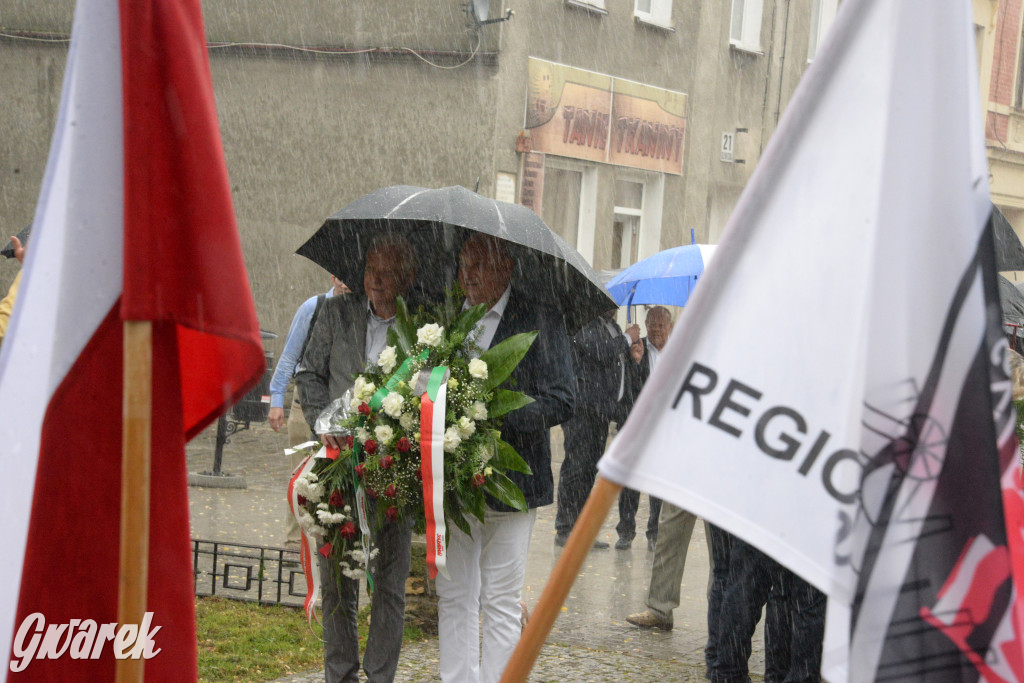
{"x": 348, "y": 531}
{"x": 302, "y": 501}
{"x": 325, "y": 550}
{"x": 390, "y": 491}
{"x": 387, "y": 461}
{"x": 370, "y": 446}
{"x": 391, "y": 513}
{"x": 360, "y": 468}
{"x": 336, "y": 499}
{"x": 478, "y": 480}
{"x": 349, "y": 442}
{"x": 371, "y": 493}
{"x": 364, "y": 409}
{"x": 419, "y": 475}
{"x": 403, "y": 445}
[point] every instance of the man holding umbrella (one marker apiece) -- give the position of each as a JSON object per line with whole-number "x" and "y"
{"x": 487, "y": 569}
{"x": 350, "y": 331}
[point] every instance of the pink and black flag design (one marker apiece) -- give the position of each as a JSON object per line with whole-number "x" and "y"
{"x": 134, "y": 222}
{"x": 863, "y": 436}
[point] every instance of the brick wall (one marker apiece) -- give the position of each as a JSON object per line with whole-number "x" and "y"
{"x": 1004, "y": 65}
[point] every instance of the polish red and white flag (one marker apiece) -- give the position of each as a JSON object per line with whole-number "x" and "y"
{"x": 134, "y": 222}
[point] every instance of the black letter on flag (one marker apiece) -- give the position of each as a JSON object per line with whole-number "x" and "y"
{"x": 695, "y": 390}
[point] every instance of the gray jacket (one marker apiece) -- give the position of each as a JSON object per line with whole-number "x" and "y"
{"x": 335, "y": 354}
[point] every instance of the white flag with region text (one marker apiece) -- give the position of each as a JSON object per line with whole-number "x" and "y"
{"x": 836, "y": 393}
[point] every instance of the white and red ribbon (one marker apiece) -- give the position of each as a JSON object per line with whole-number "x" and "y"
{"x": 307, "y": 542}
{"x": 432, "y": 412}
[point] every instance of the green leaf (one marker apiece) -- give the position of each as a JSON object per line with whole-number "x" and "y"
{"x": 506, "y": 401}
{"x": 502, "y": 359}
{"x": 468, "y": 319}
{"x": 478, "y": 504}
{"x": 453, "y": 515}
{"x": 502, "y": 488}
{"x": 506, "y": 459}
{"x": 404, "y": 327}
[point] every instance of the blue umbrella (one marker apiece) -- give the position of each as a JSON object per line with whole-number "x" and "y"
{"x": 666, "y": 278}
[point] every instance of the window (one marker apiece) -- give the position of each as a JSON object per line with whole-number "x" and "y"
{"x": 655, "y": 12}
{"x": 629, "y": 201}
{"x": 822, "y": 14}
{"x": 745, "y": 29}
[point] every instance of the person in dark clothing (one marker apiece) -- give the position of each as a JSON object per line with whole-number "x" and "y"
{"x": 599, "y": 355}
{"x": 795, "y": 628}
{"x": 644, "y": 357}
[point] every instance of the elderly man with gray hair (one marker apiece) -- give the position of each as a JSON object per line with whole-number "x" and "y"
{"x": 350, "y": 331}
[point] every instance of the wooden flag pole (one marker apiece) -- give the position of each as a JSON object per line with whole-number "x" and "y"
{"x": 136, "y": 428}
{"x": 560, "y": 582}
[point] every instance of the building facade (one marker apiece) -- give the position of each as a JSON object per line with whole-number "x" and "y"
{"x": 630, "y": 125}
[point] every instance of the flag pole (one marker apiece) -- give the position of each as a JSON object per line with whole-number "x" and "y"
{"x": 136, "y": 429}
{"x": 562, "y": 576}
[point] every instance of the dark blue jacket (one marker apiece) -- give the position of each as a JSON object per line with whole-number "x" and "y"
{"x": 545, "y": 375}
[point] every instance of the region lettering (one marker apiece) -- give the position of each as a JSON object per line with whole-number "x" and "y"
{"x": 778, "y": 431}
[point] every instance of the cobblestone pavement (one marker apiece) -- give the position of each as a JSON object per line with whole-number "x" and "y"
{"x": 590, "y": 641}
{"x": 556, "y": 663}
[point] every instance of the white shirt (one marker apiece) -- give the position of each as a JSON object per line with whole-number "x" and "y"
{"x": 376, "y": 333}
{"x": 652, "y": 355}
{"x": 483, "y": 333}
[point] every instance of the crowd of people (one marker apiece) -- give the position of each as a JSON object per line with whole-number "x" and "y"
{"x": 584, "y": 382}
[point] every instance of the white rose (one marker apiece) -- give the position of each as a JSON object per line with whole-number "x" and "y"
{"x": 477, "y": 411}
{"x": 387, "y": 359}
{"x": 354, "y": 405}
{"x": 392, "y": 404}
{"x": 362, "y": 434}
{"x": 466, "y": 427}
{"x": 407, "y": 421}
{"x": 430, "y": 334}
{"x": 451, "y": 440}
{"x": 412, "y": 380}
{"x": 478, "y": 368}
{"x": 384, "y": 433}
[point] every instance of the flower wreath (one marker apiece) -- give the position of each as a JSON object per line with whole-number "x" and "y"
{"x": 420, "y": 430}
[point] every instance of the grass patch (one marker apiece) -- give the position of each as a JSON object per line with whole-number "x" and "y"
{"x": 243, "y": 641}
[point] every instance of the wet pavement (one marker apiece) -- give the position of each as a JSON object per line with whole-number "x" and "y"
{"x": 590, "y": 641}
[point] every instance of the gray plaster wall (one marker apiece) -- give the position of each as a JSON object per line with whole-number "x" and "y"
{"x": 305, "y": 133}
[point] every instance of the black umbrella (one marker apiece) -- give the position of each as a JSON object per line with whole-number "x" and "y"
{"x": 437, "y": 222}
{"x": 8, "y": 251}
{"x": 1009, "y": 250}
{"x": 1011, "y": 300}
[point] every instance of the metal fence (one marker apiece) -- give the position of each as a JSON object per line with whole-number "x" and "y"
{"x": 271, "y": 576}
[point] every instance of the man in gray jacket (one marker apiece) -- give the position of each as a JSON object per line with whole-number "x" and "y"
{"x": 349, "y": 332}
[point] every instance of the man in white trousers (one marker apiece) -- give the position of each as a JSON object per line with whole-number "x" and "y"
{"x": 487, "y": 569}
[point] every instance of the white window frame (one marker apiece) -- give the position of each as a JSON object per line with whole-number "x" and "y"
{"x": 823, "y": 13}
{"x": 660, "y": 14}
{"x": 650, "y": 208}
{"x": 587, "y": 222}
{"x": 749, "y": 38}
